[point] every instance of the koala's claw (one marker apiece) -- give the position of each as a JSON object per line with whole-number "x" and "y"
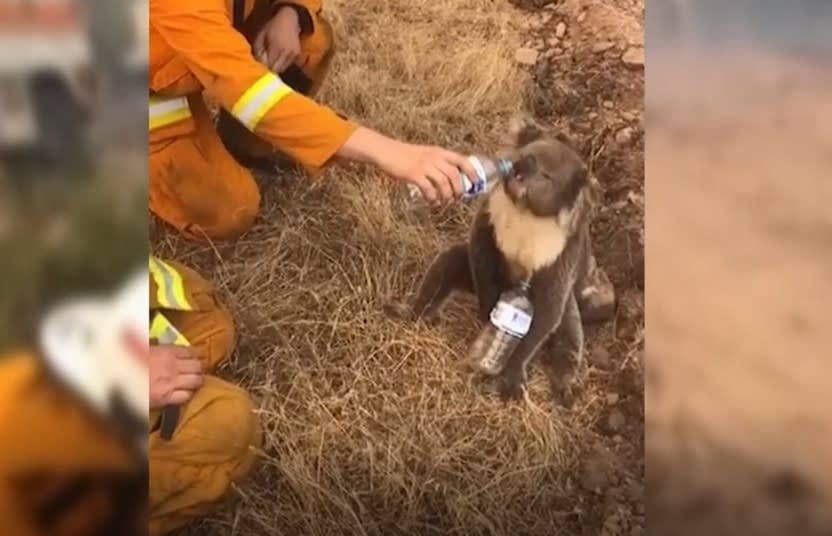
{"x": 398, "y": 310}
{"x": 565, "y": 395}
{"x": 511, "y": 387}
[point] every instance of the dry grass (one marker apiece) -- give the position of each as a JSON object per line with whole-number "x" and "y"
{"x": 372, "y": 426}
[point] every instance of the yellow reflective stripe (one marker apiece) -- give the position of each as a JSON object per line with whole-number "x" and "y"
{"x": 170, "y": 289}
{"x": 163, "y": 331}
{"x": 259, "y": 99}
{"x": 164, "y": 112}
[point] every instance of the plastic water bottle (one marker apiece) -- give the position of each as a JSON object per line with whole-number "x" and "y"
{"x": 510, "y": 319}
{"x": 489, "y": 171}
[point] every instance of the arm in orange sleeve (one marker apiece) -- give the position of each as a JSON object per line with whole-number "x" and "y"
{"x": 221, "y": 59}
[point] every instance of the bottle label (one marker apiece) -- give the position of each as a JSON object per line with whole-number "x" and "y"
{"x": 511, "y": 319}
{"x": 475, "y": 185}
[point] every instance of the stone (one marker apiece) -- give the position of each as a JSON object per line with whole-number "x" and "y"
{"x": 633, "y": 57}
{"x": 612, "y": 398}
{"x": 600, "y": 358}
{"x": 560, "y": 29}
{"x": 526, "y": 56}
{"x": 624, "y": 136}
{"x": 602, "y": 46}
{"x": 615, "y": 420}
{"x": 553, "y": 41}
{"x": 607, "y": 104}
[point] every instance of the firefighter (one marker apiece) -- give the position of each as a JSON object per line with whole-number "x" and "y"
{"x": 209, "y": 47}
{"x": 214, "y": 441}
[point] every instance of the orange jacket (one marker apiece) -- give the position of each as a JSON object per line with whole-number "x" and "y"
{"x": 194, "y": 47}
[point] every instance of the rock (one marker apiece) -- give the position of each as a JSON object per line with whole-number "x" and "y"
{"x": 526, "y": 56}
{"x": 624, "y": 136}
{"x": 582, "y": 16}
{"x": 560, "y": 29}
{"x": 600, "y": 358}
{"x": 549, "y": 53}
{"x": 607, "y": 104}
{"x": 539, "y": 45}
{"x": 545, "y": 17}
{"x": 551, "y": 6}
{"x": 553, "y": 41}
{"x": 615, "y": 420}
{"x": 602, "y": 46}
{"x": 634, "y": 491}
{"x": 558, "y": 51}
{"x": 612, "y": 398}
{"x": 633, "y": 57}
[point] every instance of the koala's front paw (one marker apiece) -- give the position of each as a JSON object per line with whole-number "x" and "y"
{"x": 565, "y": 393}
{"x": 511, "y": 385}
{"x": 398, "y": 310}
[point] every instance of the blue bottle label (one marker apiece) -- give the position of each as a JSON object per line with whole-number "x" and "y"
{"x": 474, "y": 186}
{"x": 511, "y": 319}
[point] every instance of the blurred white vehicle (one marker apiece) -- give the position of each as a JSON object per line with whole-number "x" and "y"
{"x": 53, "y": 54}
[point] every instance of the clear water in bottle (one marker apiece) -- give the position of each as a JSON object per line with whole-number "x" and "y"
{"x": 489, "y": 171}
{"x": 511, "y": 319}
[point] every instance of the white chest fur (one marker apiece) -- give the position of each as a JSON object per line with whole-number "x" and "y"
{"x": 525, "y": 239}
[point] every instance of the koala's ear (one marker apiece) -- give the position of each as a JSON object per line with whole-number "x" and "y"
{"x": 566, "y": 140}
{"x": 525, "y": 130}
{"x": 525, "y": 166}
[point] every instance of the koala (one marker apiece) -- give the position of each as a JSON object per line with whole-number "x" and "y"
{"x": 532, "y": 226}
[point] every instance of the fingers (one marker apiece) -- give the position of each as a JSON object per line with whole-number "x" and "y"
{"x": 179, "y": 396}
{"x": 189, "y": 366}
{"x": 426, "y": 187}
{"x": 451, "y": 174}
{"x": 442, "y": 182}
{"x": 284, "y": 58}
{"x": 460, "y": 162}
{"x": 190, "y": 382}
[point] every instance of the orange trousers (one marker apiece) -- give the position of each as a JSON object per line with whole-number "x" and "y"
{"x": 52, "y": 446}
{"x": 197, "y": 186}
{"x": 218, "y": 435}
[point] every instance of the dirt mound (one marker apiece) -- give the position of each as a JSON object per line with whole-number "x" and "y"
{"x": 372, "y": 425}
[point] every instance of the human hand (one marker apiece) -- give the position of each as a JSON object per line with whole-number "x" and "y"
{"x": 175, "y": 375}
{"x": 278, "y": 43}
{"x": 433, "y": 170}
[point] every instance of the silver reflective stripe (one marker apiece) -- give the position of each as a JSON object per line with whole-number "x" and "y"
{"x": 168, "y": 336}
{"x": 167, "y": 106}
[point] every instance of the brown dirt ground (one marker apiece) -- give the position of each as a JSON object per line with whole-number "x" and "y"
{"x": 372, "y": 426}
{"x": 738, "y": 420}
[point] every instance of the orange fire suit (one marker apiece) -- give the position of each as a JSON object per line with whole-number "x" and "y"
{"x": 195, "y": 184}
{"x": 215, "y": 440}
{"x": 63, "y": 472}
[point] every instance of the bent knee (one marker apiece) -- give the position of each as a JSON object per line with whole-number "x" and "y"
{"x": 218, "y": 427}
{"x": 228, "y": 418}
{"x": 235, "y": 214}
